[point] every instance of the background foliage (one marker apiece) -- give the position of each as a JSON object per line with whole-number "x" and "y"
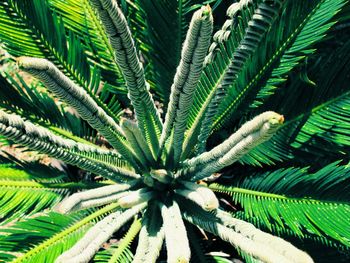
{"x": 295, "y": 185}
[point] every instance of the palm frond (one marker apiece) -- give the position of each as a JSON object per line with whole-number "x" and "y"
{"x": 31, "y": 187}
{"x": 25, "y": 193}
{"x": 254, "y": 132}
{"x": 261, "y": 21}
{"x": 294, "y": 43}
{"x": 306, "y": 203}
{"x": 302, "y": 46}
{"x": 138, "y": 143}
{"x": 33, "y": 231}
{"x": 21, "y": 98}
{"x": 48, "y": 249}
{"x": 34, "y": 104}
{"x": 75, "y": 96}
{"x": 316, "y": 127}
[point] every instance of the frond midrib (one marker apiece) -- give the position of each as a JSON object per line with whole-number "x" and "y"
{"x": 317, "y": 108}
{"x": 237, "y": 190}
{"x": 20, "y": 184}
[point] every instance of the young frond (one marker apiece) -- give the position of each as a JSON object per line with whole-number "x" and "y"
{"x": 278, "y": 244}
{"x": 39, "y": 139}
{"x": 188, "y": 72}
{"x": 77, "y": 97}
{"x": 253, "y": 133}
{"x": 126, "y": 56}
{"x": 138, "y": 143}
{"x": 261, "y": 251}
{"x": 94, "y": 197}
{"x": 151, "y": 237}
{"x": 178, "y": 247}
{"x": 199, "y": 194}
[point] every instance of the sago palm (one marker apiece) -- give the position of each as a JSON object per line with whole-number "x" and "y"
{"x": 232, "y": 131}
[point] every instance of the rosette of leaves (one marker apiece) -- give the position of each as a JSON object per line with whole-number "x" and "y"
{"x": 159, "y": 171}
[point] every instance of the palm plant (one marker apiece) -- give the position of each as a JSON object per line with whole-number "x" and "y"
{"x": 289, "y": 177}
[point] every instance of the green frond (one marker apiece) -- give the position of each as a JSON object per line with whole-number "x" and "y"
{"x": 29, "y": 188}
{"x": 317, "y": 130}
{"x": 17, "y": 238}
{"x": 324, "y": 123}
{"x": 301, "y": 47}
{"x": 37, "y": 37}
{"x": 298, "y": 36}
{"x": 316, "y": 203}
{"x": 320, "y": 248}
{"x": 49, "y": 249}
{"x": 24, "y": 192}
